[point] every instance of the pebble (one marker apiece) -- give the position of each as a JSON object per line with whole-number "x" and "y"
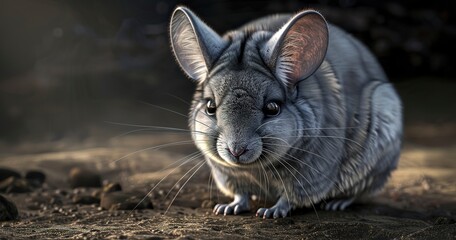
{"x": 8, "y": 211}
{"x": 208, "y": 204}
{"x": 107, "y": 188}
{"x": 15, "y": 185}
{"x": 85, "y": 199}
{"x": 112, "y": 187}
{"x": 35, "y": 178}
{"x": 125, "y": 201}
{"x": 56, "y": 200}
{"x": 97, "y": 193}
{"x": 6, "y": 173}
{"x": 33, "y": 206}
{"x": 444, "y": 220}
{"x": 80, "y": 177}
{"x": 61, "y": 192}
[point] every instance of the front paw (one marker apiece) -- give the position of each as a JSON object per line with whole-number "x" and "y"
{"x": 279, "y": 210}
{"x": 230, "y": 209}
{"x": 273, "y": 212}
{"x": 239, "y": 205}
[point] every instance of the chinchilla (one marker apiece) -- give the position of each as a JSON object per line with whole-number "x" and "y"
{"x": 289, "y": 108}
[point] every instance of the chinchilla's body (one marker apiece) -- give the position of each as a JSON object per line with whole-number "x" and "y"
{"x": 288, "y": 108}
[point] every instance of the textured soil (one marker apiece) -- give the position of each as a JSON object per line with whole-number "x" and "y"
{"x": 419, "y": 201}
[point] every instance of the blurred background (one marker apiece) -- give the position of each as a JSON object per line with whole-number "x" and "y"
{"x": 68, "y": 68}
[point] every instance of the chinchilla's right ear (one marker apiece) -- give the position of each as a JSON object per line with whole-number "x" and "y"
{"x": 297, "y": 50}
{"x": 195, "y": 45}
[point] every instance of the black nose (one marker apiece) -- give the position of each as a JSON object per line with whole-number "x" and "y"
{"x": 237, "y": 151}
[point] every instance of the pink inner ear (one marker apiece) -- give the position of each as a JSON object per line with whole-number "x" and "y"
{"x": 303, "y": 48}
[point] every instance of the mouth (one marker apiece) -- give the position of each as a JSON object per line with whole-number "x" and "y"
{"x": 245, "y": 158}
{"x": 237, "y": 153}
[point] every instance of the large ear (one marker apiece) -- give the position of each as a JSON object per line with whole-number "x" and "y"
{"x": 297, "y": 50}
{"x": 195, "y": 45}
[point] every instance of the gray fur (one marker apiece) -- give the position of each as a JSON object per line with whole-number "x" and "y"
{"x": 338, "y": 135}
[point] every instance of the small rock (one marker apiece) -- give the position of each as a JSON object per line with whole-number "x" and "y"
{"x": 79, "y": 190}
{"x": 61, "y": 192}
{"x": 80, "y": 177}
{"x": 56, "y": 200}
{"x": 107, "y": 188}
{"x": 6, "y": 173}
{"x": 97, "y": 193}
{"x": 8, "y": 211}
{"x": 33, "y": 206}
{"x": 85, "y": 199}
{"x": 15, "y": 185}
{"x": 208, "y": 204}
{"x": 125, "y": 201}
{"x": 35, "y": 178}
{"x": 112, "y": 187}
{"x": 444, "y": 221}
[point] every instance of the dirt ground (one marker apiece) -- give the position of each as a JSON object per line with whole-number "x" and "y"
{"x": 419, "y": 201}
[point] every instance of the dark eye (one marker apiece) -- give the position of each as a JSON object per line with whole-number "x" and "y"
{"x": 210, "y": 107}
{"x": 271, "y": 109}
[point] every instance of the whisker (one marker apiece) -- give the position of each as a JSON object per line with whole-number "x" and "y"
{"x": 334, "y": 137}
{"x": 260, "y": 175}
{"x": 190, "y": 157}
{"x": 308, "y": 165}
{"x": 175, "y": 112}
{"x": 278, "y": 159}
{"x": 177, "y": 182}
{"x": 132, "y": 131}
{"x": 138, "y": 125}
{"x": 182, "y": 187}
{"x": 275, "y": 120}
{"x": 159, "y": 130}
{"x": 153, "y": 127}
{"x": 276, "y": 138}
{"x": 322, "y": 128}
{"x": 155, "y": 148}
{"x": 299, "y": 149}
{"x": 283, "y": 183}
{"x": 267, "y": 181}
{"x": 303, "y": 188}
{"x": 300, "y": 129}
{"x": 210, "y": 181}
{"x": 179, "y": 98}
{"x": 163, "y": 108}
{"x": 311, "y": 202}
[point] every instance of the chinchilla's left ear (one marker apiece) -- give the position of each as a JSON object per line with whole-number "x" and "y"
{"x": 297, "y": 50}
{"x": 195, "y": 45}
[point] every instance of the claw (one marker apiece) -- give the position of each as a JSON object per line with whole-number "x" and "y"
{"x": 338, "y": 204}
{"x": 239, "y": 205}
{"x": 237, "y": 210}
{"x": 260, "y": 212}
{"x": 228, "y": 210}
{"x": 280, "y": 209}
{"x": 215, "y": 208}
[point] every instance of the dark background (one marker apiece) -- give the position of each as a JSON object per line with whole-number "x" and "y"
{"x": 67, "y": 68}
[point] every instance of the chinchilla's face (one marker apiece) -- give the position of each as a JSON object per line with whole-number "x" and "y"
{"x": 241, "y": 116}
{"x": 244, "y": 112}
